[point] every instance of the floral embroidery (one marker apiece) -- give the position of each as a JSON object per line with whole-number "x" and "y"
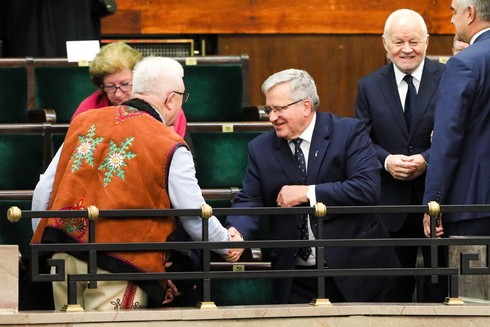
{"x": 85, "y": 150}
{"x": 116, "y": 160}
{"x": 76, "y": 225}
{"x": 125, "y": 112}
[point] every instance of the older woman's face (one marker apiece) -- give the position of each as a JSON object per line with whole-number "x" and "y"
{"x": 112, "y": 86}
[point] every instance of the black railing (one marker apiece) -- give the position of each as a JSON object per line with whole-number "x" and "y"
{"x": 207, "y": 275}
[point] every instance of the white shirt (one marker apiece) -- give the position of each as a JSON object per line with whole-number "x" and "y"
{"x": 183, "y": 189}
{"x": 306, "y": 136}
{"x": 403, "y": 88}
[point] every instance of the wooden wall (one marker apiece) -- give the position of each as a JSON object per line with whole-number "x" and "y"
{"x": 336, "y": 41}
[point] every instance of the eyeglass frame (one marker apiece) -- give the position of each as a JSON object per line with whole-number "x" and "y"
{"x": 117, "y": 87}
{"x": 279, "y": 109}
{"x": 185, "y": 95}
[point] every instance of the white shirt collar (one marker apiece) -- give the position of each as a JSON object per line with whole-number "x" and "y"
{"x": 307, "y": 134}
{"x": 417, "y": 74}
{"x": 478, "y": 34}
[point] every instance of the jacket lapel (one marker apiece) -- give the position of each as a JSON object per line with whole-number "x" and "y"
{"x": 427, "y": 90}
{"x": 286, "y": 160}
{"x": 389, "y": 90}
{"x": 318, "y": 148}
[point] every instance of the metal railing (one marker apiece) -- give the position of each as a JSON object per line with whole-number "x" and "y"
{"x": 206, "y": 275}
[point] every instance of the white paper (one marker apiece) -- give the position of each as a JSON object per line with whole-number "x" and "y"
{"x": 82, "y": 50}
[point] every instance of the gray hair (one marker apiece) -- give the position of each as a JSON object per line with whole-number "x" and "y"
{"x": 157, "y": 76}
{"x": 406, "y": 12}
{"x": 302, "y": 85}
{"x": 482, "y": 7}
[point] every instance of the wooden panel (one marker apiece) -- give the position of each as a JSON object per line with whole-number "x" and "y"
{"x": 271, "y": 16}
{"x": 124, "y": 22}
{"x": 336, "y": 62}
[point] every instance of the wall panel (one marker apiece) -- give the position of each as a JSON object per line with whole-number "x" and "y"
{"x": 336, "y": 62}
{"x": 268, "y": 16}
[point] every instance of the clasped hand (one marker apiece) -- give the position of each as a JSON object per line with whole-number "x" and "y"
{"x": 406, "y": 167}
{"x": 233, "y": 255}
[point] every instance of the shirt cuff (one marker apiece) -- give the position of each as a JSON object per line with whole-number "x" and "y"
{"x": 311, "y": 194}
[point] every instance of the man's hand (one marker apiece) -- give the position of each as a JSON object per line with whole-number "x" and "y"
{"x": 405, "y": 167}
{"x": 172, "y": 292}
{"x": 439, "y": 229}
{"x": 292, "y": 195}
{"x": 234, "y": 255}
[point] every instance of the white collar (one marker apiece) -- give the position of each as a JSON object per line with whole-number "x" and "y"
{"x": 478, "y": 34}
{"x": 307, "y": 134}
{"x": 417, "y": 73}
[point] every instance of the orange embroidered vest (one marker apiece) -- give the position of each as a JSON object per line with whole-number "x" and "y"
{"x": 114, "y": 158}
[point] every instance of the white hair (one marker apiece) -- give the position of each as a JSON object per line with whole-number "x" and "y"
{"x": 404, "y": 13}
{"x": 157, "y": 76}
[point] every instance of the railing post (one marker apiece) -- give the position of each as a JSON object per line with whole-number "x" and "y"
{"x": 207, "y": 212}
{"x": 320, "y": 212}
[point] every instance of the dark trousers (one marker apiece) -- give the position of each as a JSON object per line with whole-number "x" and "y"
{"x": 405, "y": 285}
{"x": 471, "y": 227}
{"x": 305, "y": 289}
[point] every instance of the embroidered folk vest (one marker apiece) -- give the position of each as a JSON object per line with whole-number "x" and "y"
{"x": 114, "y": 158}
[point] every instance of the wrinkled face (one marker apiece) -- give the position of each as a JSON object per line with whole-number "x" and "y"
{"x": 118, "y": 79}
{"x": 458, "y": 19}
{"x": 405, "y": 43}
{"x": 291, "y": 122}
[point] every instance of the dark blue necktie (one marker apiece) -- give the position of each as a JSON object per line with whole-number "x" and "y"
{"x": 410, "y": 100}
{"x": 304, "y": 253}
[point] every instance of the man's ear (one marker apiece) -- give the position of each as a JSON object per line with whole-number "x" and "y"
{"x": 471, "y": 14}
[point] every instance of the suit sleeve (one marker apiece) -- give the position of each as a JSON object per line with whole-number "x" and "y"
{"x": 451, "y": 115}
{"x": 363, "y": 113}
{"x": 359, "y": 183}
{"x": 249, "y": 197}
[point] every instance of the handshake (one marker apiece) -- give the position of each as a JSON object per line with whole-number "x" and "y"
{"x": 233, "y": 255}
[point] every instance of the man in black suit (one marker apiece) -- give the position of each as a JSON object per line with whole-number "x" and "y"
{"x": 396, "y": 103}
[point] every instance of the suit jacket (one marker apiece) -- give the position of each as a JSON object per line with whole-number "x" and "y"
{"x": 459, "y": 170}
{"x": 378, "y": 106}
{"x": 343, "y": 166}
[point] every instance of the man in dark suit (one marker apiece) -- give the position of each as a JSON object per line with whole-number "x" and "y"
{"x": 337, "y": 166}
{"x": 401, "y": 131}
{"x": 460, "y": 158}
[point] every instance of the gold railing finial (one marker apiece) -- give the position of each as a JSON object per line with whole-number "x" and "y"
{"x": 14, "y": 214}
{"x": 434, "y": 208}
{"x": 92, "y": 213}
{"x": 206, "y": 211}
{"x": 320, "y": 209}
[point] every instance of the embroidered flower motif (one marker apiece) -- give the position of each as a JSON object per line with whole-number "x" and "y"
{"x": 77, "y": 226}
{"x": 125, "y": 112}
{"x": 84, "y": 148}
{"x": 85, "y": 151}
{"x": 116, "y": 159}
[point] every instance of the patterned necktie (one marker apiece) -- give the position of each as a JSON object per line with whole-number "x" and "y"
{"x": 410, "y": 100}
{"x": 304, "y": 253}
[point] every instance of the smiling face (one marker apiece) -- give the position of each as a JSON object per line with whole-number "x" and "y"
{"x": 406, "y": 42}
{"x": 291, "y": 122}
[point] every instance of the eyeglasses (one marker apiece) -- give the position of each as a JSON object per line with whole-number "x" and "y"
{"x": 111, "y": 88}
{"x": 278, "y": 109}
{"x": 185, "y": 96}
